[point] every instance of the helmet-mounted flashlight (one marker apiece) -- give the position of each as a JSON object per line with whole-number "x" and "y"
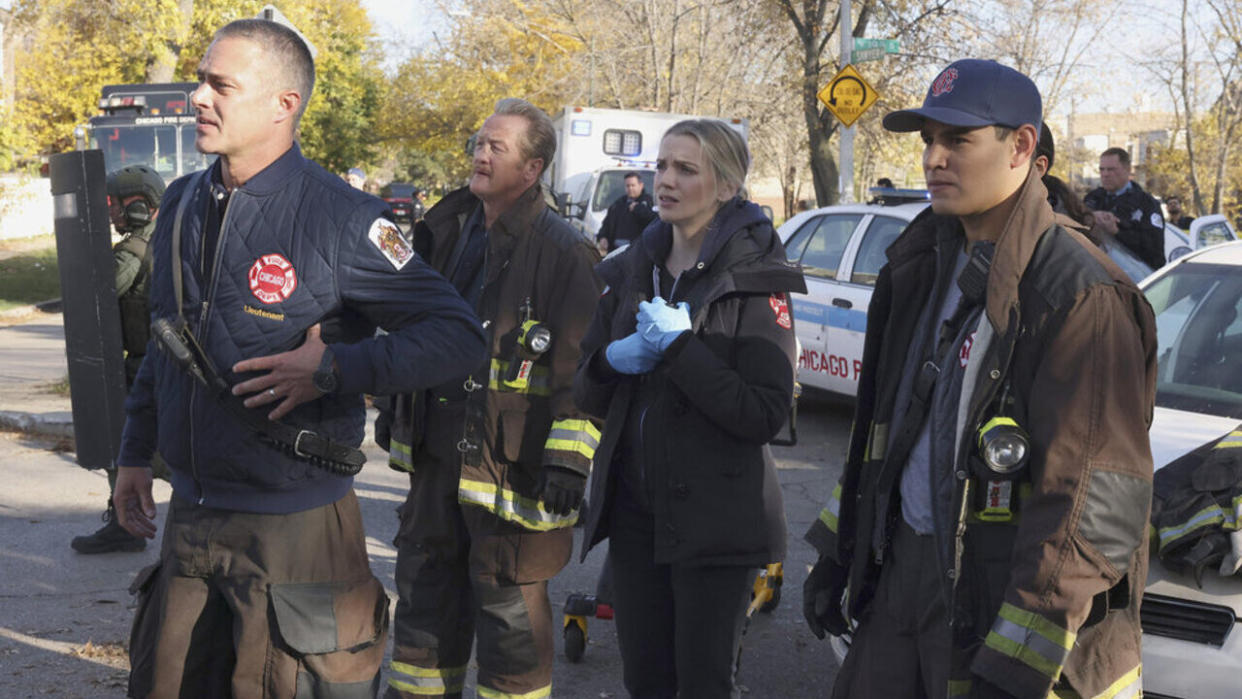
{"x": 1004, "y": 447}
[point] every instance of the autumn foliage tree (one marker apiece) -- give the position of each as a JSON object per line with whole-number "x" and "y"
{"x": 72, "y": 48}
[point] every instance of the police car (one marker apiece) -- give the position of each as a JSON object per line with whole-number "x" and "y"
{"x": 1192, "y": 635}
{"x": 1204, "y": 231}
{"x": 841, "y": 249}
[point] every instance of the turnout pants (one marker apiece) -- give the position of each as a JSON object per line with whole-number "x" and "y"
{"x": 679, "y": 626}
{"x": 465, "y": 576}
{"x": 902, "y": 647}
{"x": 259, "y": 605}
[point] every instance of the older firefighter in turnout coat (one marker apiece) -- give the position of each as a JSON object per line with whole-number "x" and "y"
{"x": 963, "y": 580}
{"x": 498, "y": 459}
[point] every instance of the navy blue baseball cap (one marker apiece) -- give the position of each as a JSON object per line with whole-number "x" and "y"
{"x": 973, "y": 92}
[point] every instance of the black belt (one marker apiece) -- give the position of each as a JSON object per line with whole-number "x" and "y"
{"x": 320, "y": 451}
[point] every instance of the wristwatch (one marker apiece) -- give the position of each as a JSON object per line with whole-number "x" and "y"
{"x": 325, "y": 378}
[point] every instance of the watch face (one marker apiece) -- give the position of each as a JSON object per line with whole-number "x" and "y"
{"x": 325, "y": 381}
{"x": 324, "y": 378}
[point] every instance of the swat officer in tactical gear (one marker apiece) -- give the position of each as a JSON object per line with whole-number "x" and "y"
{"x": 134, "y": 194}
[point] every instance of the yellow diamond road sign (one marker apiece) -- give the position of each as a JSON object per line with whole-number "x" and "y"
{"x": 848, "y": 95}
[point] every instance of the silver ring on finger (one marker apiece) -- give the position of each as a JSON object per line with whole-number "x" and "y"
{"x": 271, "y": 392}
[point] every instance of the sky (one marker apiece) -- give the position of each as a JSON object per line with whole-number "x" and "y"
{"x": 405, "y": 24}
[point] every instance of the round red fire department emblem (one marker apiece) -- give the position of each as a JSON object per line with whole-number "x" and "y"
{"x": 272, "y": 279}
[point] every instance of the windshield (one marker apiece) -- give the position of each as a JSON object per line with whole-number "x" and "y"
{"x": 399, "y": 191}
{"x": 1198, "y": 311}
{"x": 612, "y": 185}
{"x": 149, "y": 145}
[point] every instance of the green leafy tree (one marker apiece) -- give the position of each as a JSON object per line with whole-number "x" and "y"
{"x": 73, "y": 48}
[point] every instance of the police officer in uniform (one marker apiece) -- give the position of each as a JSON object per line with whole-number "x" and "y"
{"x": 134, "y": 194}
{"x": 498, "y": 457}
{"x": 1123, "y": 209}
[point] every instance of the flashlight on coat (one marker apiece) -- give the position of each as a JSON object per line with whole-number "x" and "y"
{"x": 1004, "y": 448}
{"x": 533, "y": 339}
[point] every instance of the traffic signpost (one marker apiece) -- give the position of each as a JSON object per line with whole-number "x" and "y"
{"x": 848, "y": 95}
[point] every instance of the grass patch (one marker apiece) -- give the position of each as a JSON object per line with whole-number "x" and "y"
{"x": 60, "y": 388}
{"x": 29, "y": 277}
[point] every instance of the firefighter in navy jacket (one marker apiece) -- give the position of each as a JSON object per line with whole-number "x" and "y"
{"x": 263, "y": 587}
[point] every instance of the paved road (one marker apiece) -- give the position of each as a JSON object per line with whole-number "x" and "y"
{"x": 64, "y": 618}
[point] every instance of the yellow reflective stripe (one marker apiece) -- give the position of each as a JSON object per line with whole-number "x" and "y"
{"x": 427, "y": 680}
{"x": 1207, "y": 516}
{"x": 959, "y": 688}
{"x": 1233, "y": 440}
{"x": 570, "y": 445}
{"x": 540, "y": 693}
{"x": 829, "y": 520}
{"x": 832, "y": 511}
{"x": 401, "y": 455}
{"x": 578, "y": 425}
{"x": 536, "y": 384}
{"x": 510, "y": 506}
{"x": 1128, "y": 686}
{"x": 1031, "y": 639}
{"x": 573, "y": 436}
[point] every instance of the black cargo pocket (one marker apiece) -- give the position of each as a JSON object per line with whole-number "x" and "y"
{"x": 144, "y": 634}
{"x": 336, "y": 632}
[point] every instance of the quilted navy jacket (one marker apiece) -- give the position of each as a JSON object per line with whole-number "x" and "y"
{"x": 297, "y": 246}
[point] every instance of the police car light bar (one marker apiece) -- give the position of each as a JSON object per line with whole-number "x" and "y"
{"x": 893, "y": 195}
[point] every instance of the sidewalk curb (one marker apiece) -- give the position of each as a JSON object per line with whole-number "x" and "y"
{"x": 49, "y": 306}
{"x": 49, "y": 425}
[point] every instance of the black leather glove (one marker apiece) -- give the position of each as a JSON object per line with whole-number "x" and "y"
{"x": 822, "y": 594}
{"x": 562, "y": 489}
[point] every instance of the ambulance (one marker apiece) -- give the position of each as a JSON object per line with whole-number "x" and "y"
{"x": 596, "y": 148}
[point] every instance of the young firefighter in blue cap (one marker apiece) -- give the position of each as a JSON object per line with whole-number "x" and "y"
{"x": 987, "y": 538}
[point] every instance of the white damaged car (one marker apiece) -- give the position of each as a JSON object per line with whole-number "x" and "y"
{"x": 1192, "y": 642}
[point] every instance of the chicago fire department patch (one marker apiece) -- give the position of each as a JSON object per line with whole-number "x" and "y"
{"x": 272, "y": 278}
{"x": 780, "y": 307}
{"x": 963, "y": 355}
{"x": 385, "y": 236}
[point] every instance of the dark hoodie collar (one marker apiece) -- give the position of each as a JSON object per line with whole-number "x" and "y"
{"x": 269, "y": 179}
{"x": 735, "y": 215}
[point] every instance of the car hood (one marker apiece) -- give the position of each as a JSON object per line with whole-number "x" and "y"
{"x": 1175, "y": 433}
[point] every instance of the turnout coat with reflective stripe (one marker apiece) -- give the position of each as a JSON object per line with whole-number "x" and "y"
{"x": 1054, "y": 597}
{"x": 513, "y": 432}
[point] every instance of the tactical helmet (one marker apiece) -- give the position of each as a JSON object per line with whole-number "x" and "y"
{"x": 133, "y": 180}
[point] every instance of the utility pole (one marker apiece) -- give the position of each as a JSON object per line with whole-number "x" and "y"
{"x": 847, "y": 132}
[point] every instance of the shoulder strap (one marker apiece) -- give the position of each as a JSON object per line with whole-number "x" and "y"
{"x": 191, "y": 188}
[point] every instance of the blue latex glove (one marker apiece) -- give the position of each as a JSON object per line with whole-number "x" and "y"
{"x": 632, "y": 355}
{"x": 660, "y": 323}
